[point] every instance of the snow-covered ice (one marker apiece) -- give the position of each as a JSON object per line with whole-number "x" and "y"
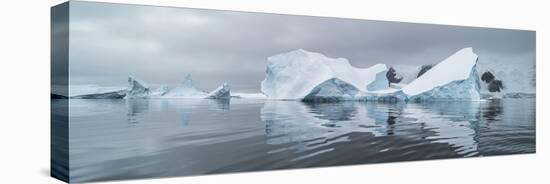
{"x": 312, "y": 76}
{"x": 295, "y": 74}
{"x": 455, "y": 78}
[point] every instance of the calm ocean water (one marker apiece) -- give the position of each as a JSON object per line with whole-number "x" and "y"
{"x": 127, "y": 139}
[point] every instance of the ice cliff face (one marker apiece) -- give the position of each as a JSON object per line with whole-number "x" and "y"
{"x": 387, "y": 95}
{"x": 380, "y": 82}
{"x": 332, "y": 90}
{"x": 222, "y": 92}
{"x": 136, "y": 89}
{"x": 455, "y": 78}
{"x": 295, "y": 74}
{"x": 467, "y": 90}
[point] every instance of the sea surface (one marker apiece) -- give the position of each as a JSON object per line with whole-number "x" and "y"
{"x": 143, "y": 138}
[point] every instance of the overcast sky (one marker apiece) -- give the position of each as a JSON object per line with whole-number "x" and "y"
{"x": 161, "y": 45}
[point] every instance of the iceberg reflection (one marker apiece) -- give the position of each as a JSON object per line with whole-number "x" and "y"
{"x": 195, "y": 136}
{"x": 135, "y": 108}
{"x": 307, "y": 124}
{"x": 183, "y": 108}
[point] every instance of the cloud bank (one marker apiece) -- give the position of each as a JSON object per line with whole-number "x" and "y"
{"x": 161, "y": 45}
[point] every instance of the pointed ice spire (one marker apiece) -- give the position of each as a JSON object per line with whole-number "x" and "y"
{"x": 222, "y": 92}
{"x": 136, "y": 89}
{"x": 187, "y": 82}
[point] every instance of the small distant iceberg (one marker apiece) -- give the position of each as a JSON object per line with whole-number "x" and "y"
{"x": 185, "y": 89}
{"x": 222, "y": 92}
{"x": 96, "y": 92}
{"x": 136, "y": 89}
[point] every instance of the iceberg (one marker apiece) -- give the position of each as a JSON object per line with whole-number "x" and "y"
{"x": 136, "y": 89}
{"x": 91, "y": 91}
{"x": 314, "y": 77}
{"x": 184, "y": 90}
{"x": 222, "y": 92}
{"x": 103, "y": 95}
{"x": 295, "y": 74}
{"x": 455, "y": 78}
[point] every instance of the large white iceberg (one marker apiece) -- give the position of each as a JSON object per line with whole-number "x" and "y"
{"x": 295, "y": 74}
{"x": 222, "y": 92}
{"x": 136, "y": 89}
{"x": 184, "y": 90}
{"x": 455, "y": 78}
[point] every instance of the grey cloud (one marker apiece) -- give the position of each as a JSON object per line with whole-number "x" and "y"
{"x": 161, "y": 44}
